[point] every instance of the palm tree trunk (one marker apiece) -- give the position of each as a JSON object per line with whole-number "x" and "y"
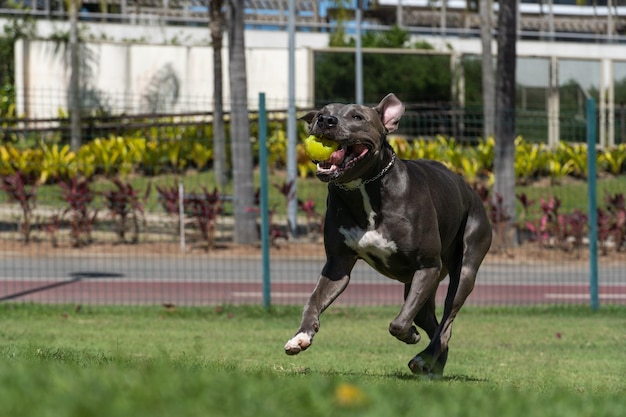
{"x": 216, "y": 25}
{"x": 75, "y": 105}
{"x": 504, "y": 159}
{"x": 241, "y": 150}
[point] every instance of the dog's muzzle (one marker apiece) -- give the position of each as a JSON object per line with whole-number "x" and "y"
{"x": 340, "y": 161}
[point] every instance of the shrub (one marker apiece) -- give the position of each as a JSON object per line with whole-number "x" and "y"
{"x": 17, "y": 189}
{"x": 204, "y": 207}
{"x": 76, "y": 192}
{"x": 613, "y": 160}
{"x": 123, "y": 203}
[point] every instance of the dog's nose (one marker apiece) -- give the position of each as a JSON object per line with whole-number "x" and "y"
{"x": 328, "y": 121}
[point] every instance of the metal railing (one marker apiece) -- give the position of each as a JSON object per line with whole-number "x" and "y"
{"x": 272, "y": 15}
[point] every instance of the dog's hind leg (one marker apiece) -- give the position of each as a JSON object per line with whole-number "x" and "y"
{"x": 426, "y": 319}
{"x": 463, "y": 264}
{"x": 431, "y": 361}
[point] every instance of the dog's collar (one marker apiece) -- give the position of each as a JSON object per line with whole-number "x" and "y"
{"x": 380, "y": 174}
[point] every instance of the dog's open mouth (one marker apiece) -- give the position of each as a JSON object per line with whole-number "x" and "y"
{"x": 342, "y": 159}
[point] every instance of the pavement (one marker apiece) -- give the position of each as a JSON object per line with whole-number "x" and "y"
{"x": 196, "y": 280}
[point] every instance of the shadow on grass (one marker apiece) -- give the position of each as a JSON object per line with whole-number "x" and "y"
{"x": 446, "y": 378}
{"x": 398, "y": 375}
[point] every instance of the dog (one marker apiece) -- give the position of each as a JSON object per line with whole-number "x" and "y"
{"x": 414, "y": 221}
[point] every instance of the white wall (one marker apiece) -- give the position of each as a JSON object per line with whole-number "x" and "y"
{"x": 123, "y": 70}
{"x": 124, "y": 75}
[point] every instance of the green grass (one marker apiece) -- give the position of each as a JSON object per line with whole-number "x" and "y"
{"x": 572, "y": 195}
{"x": 55, "y": 361}
{"x": 49, "y": 194}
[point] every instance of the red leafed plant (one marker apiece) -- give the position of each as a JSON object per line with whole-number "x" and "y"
{"x": 168, "y": 198}
{"x": 17, "y": 188}
{"x": 315, "y": 221}
{"x": 205, "y": 208}
{"x": 616, "y": 210}
{"x": 76, "y": 193}
{"x": 275, "y": 231}
{"x": 124, "y": 203}
{"x": 499, "y": 216}
{"x": 575, "y": 227}
{"x": 539, "y": 230}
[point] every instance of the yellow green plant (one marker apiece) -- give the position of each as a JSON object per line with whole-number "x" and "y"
{"x": 450, "y": 152}
{"x": 277, "y": 148}
{"x": 130, "y": 153}
{"x": 153, "y": 158}
{"x": 305, "y": 166}
{"x": 173, "y": 151}
{"x": 105, "y": 155}
{"x": 401, "y": 147}
{"x": 57, "y": 162}
{"x": 200, "y": 155}
{"x": 13, "y": 159}
{"x": 576, "y": 153}
{"x": 86, "y": 161}
{"x": 470, "y": 167}
{"x": 530, "y": 160}
{"x": 6, "y": 159}
{"x": 559, "y": 170}
{"x": 613, "y": 160}
{"x": 485, "y": 151}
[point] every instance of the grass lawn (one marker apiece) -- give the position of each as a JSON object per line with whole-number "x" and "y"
{"x": 148, "y": 361}
{"x": 193, "y": 181}
{"x": 573, "y": 195}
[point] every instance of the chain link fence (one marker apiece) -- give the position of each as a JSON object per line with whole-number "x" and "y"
{"x": 134, "y": 216}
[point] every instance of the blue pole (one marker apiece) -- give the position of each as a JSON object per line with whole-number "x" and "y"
{"x": 265, "y": 222}
{"x": 593, "y": 205}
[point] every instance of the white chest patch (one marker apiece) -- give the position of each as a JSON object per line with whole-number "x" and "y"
{"x": 369, "y": 243}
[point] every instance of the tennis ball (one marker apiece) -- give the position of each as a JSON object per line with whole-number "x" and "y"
{"x": 319, "y": 149}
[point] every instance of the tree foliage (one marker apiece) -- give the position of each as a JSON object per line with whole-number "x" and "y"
{"x": 419, "y": 78}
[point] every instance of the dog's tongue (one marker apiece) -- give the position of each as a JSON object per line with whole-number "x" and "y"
{"x": 337, "y": 157}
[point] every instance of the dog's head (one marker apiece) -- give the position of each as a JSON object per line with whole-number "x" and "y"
{"x": 360, "y": 132}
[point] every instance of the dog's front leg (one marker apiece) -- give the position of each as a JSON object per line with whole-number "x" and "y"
{"x": 331, "y": 283}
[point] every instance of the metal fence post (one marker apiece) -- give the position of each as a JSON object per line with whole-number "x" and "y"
{"x": 593, "y": 206}
{"x": 264, "y": 203}
{"x": 181, "y": 215}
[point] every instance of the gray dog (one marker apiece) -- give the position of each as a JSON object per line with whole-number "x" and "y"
{"x": 412, "y": 221}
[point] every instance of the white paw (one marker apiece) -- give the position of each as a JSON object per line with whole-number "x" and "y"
{"x": 298, "y": 343}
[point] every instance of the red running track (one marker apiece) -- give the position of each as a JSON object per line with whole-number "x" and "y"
{"x": 118, "y": 292}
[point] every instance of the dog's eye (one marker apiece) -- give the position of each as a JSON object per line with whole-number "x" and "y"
{"x": 357, "y": 116}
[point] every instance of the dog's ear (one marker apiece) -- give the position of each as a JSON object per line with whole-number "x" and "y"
{"x": 391, "y": 110}
{"x": 309, "y": 116}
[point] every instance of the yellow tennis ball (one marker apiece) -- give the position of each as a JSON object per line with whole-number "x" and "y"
{"x": 319, "y": 149}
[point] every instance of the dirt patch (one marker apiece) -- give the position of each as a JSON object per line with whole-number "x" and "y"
{"x": 286, "y": 249}
{"x": 528, "y": 253}
{"x": 532, "y": 253}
